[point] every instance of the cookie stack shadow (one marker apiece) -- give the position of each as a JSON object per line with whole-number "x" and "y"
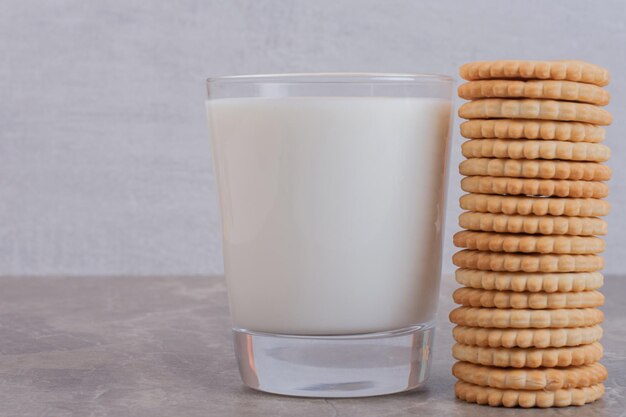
{"x": 528, "y": 329}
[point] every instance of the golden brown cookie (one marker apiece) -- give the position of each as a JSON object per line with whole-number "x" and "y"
{"x": 509, "y": 242}
{"x": 541, "y": 89}
{"x": 499, "y": 108}
{"x": 527, "y": 338}
{"x": 532, "y": 129}
{"x": 527, "y": 399}
{"x": 525, "y": 318}
{"x": 474, "y": 297}
{"x": 529, "y": 357}
{"x": 534, "y": 187}
{"x": 524, "y": 168}
{"x": 525, "y": 282}
{"x": 547, "y": 379}
{"x": 513, "y": 262}
{"x": 545, "y": 225}
{"x": 569, "y": 70}
{"x": 576, "y": 207}
{"x": 535, "y": 149}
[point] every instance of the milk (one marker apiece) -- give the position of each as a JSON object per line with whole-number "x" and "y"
{"x": 332, "y": 210}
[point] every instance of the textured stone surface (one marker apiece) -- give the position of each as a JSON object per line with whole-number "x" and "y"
{"x": 105, "y": 163}
{"x": 161, "y": 347}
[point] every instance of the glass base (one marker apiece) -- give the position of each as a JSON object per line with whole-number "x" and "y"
{"x": 360, "y": 365}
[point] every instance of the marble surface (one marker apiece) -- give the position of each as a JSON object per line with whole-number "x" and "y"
{"x": 162, "y": 347}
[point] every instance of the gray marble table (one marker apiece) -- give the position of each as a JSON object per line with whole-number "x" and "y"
{"x": 162, "y": 347}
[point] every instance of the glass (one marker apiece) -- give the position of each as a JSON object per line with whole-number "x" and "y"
{"x": 332, "y": 192}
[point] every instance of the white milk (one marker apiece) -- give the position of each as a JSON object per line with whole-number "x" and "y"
{"x": 332, "y": 211}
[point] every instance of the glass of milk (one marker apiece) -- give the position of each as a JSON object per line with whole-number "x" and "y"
{"x": 332, "y": 201}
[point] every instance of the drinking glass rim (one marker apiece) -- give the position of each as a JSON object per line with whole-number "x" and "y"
{"x": 333, "y": 77}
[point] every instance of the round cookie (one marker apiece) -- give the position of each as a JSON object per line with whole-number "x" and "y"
{"x": 524, "y": 168}
{"x": 570, "y": 70}
{"x": 529, "y": 357}
{"x": 545, "y": 225}
{"x": 508, "y": 242}
{"x": 535, "y": 149}
{"x": 527, "y": 399}
{"x": 532, "y": 129}
{"x": 473, "y": 297}
{"x": 525, "y": 282}
{"x": 499, "y": 108}
{"x": 541, "y": 89}
{"x": 534, "y": 187}
{"x": 513, "y": 262}
{"x": 527, "y": 338}
{"x": 576, "y": 207}
{"x": 525, "y": 318}
{"x": 548, "y": 379}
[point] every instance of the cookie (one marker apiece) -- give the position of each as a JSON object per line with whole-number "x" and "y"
{"x": 474, "y": 297}
{"x": 525, "y": 318}
{"x": 529, "y": 357}
{"x": 524, "y": 168}
{"x": 512, "y": 262}
{"x": 547, "y": 379}
{"x": 541, "y": 89}
{"x": 499, "y": 108}
{"x": 576, "y": 207}
{"x": 527, "y": 338}
{"x": 535, "y": 149}
{"x": 527, "y": 399}
{"x": 545, "y": 225}
{"x": 524, "y": 282}
{"x": 507, "y": 242}
{"x": 532, "y": 129}
{"x": 569, "y": 70}
{"x": 534, "y": 187}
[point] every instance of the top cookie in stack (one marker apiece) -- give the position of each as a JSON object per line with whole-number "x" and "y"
{"x": 529, "y": 264}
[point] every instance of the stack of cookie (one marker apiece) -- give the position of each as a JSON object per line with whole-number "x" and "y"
{"x": 527, "y": 330}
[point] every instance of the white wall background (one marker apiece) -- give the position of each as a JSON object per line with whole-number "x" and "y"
{"x": 104, "y": 158}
